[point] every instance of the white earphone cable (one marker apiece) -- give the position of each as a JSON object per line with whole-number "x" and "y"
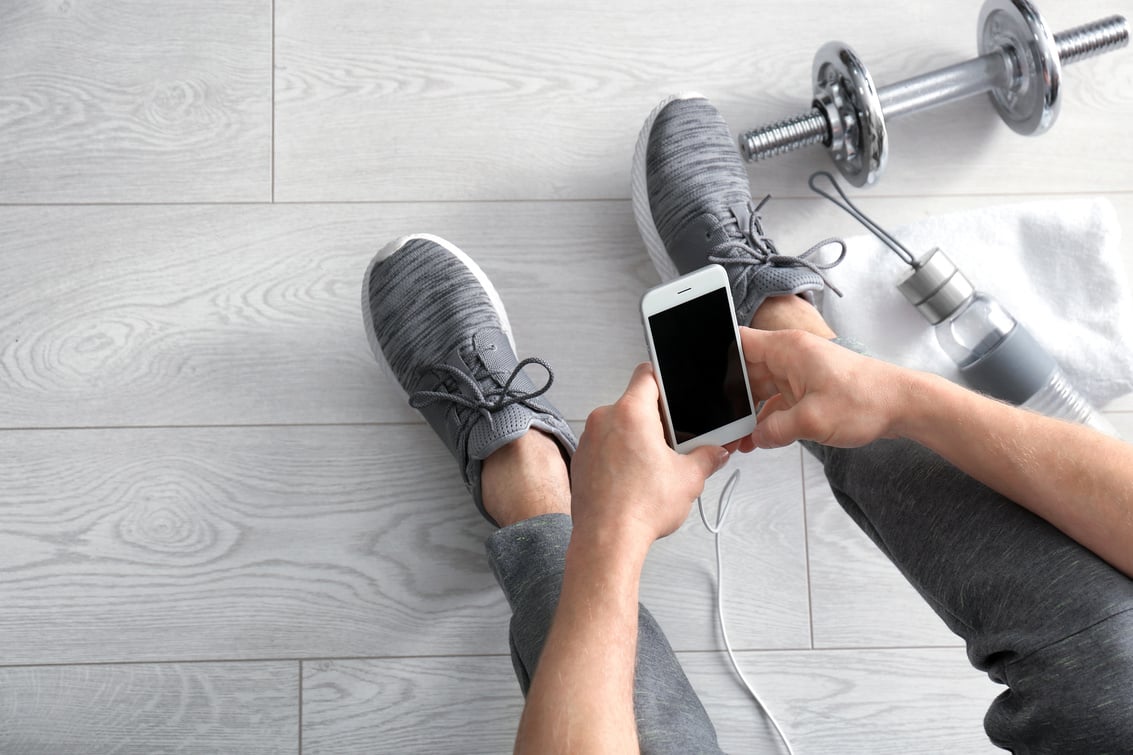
{"x": 721, "y": 513}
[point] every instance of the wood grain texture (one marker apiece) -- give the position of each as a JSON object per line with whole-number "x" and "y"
{"x": 877, "y": 701}
{"x": 765, "y": 578}
{"x": 887, "y": 702}
{"x": 194, "y": 544}
{"x": 410, "y": 705}
{"x": 310, "y": 542}
{"x": 242, "y": 315}
{"x": 150, "y": 708}
{"x": 250, "y": 314}
{"x": 533, "y": 100}
{"x": 286, "y": 503}
{"x": 135, "y": 101}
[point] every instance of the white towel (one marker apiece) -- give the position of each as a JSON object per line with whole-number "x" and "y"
{"x": 1055, "y": 265}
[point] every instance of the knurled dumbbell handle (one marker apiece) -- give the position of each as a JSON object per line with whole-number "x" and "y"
{"x": 936, "y": 88}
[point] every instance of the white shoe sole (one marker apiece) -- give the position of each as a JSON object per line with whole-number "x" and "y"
{"x": 642, "y": 213}
{"x": 391, "y": 248}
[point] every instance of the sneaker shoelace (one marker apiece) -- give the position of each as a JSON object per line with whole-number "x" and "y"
{"x": 481, "y": 394}
{"x": 756, "y": 250}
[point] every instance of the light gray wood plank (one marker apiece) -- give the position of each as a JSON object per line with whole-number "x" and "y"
{"x": 765, "y": 578}
{"x": 150, "y": 708}
{"x": 324, "y": 542}
{"x": 532, "y": 100}
{"x": 861, "y": 701}
{"x": 251, "y": 315}
{"x": 858, "y": 598}
{"x": 135, "y": 101}
{"x": 410, "y": 705}
{"x": 245, "y": 543}
{"x": 876, "y": 701}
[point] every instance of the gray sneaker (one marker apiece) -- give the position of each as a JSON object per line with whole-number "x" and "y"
{"x": 436, "y": 324}
{"x": 693, "y": 207}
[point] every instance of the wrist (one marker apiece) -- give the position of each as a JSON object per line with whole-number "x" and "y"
{"x": 921, "y": 397}
{"x": 610, "y": 544}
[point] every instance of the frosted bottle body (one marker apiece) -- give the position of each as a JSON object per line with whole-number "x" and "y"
{"x": 999, "y": 357}
{"x": 996, "y": 355}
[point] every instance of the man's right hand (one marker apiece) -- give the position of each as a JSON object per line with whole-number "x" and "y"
{"x": 817, "y": 390}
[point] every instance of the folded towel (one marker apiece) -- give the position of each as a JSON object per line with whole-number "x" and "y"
{"x": 1055, "y": 265}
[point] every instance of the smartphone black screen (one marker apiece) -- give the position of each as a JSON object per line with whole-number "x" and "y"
{"x": 700, "y": 365}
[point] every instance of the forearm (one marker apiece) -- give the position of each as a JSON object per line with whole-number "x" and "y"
{"x": 581, "y": 699}
{"x": 1077, "y": 479}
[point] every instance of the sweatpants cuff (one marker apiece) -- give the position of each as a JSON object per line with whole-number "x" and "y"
{"x": 524, "y": 554}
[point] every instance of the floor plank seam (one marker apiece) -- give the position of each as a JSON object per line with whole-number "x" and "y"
{"x": 806, "y": 550}
{"x": 260, "y": 425}
{"x": 520, "y": 200}
{"x": 272, "y": 170}
{"x": 252, "y": 426}
{"x": 455, "y": 656}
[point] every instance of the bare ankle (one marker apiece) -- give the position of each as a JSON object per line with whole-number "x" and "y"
{"x": 526, "y": 478}
{"x": 790, "y": 313}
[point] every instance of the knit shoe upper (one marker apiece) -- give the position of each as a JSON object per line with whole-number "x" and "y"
{"x": 436, "y": 323}
{"x": 693, "y": 206}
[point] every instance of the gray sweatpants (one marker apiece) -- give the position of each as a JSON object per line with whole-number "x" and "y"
{"x": 1039, "y": 613}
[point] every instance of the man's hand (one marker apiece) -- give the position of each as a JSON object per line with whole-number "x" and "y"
{"x": 1077, "y": 479}
{"x": 628, "y": 488}
{"x": 817, "y": 390}
{"x": 624, "y": 476}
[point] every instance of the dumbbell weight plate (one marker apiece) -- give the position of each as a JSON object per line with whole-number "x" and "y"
{"x": 845, "y": 90}
{"x": 1030, "y": 105}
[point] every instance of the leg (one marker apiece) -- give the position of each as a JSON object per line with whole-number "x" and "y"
{"x": 453, "y": 354}
{"x": 1038, "y": 612}
{"x": 526, "y": 490}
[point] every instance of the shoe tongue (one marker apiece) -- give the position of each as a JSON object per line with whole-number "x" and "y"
{"x": 742, "y": 214}
{"x": 493, "y": 349}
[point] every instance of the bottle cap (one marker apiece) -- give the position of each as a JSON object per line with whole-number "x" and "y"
{"x": 936, "y": 287}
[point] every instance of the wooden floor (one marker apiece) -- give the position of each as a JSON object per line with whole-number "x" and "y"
{"x": 222, "y": 530}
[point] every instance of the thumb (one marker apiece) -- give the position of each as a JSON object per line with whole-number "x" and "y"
{"x": 707, "y": 460}
{"x": 643, "y": 383}
{"x": 775, "y": 427}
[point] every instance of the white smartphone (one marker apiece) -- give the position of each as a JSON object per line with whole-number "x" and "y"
{"x": 690, "y": 326}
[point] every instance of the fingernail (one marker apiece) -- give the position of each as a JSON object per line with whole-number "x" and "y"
{"x": 722, "y": 458}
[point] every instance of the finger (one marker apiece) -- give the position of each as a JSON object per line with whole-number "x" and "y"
{"x": 642, "y": 384}
{"x": 707, "y": 460}
{"x": 754, "y": 344}
{"x": 770, "y": 406}
{"x": 775, "y": 428}
{"x": 763, "y": 385}
{"x": 760, "y": 376}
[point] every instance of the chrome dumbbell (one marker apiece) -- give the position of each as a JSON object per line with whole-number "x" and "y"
{"x": 1020, "y": 65}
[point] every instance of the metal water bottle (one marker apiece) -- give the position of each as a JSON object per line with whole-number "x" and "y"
{"x": 996, "y": 355}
